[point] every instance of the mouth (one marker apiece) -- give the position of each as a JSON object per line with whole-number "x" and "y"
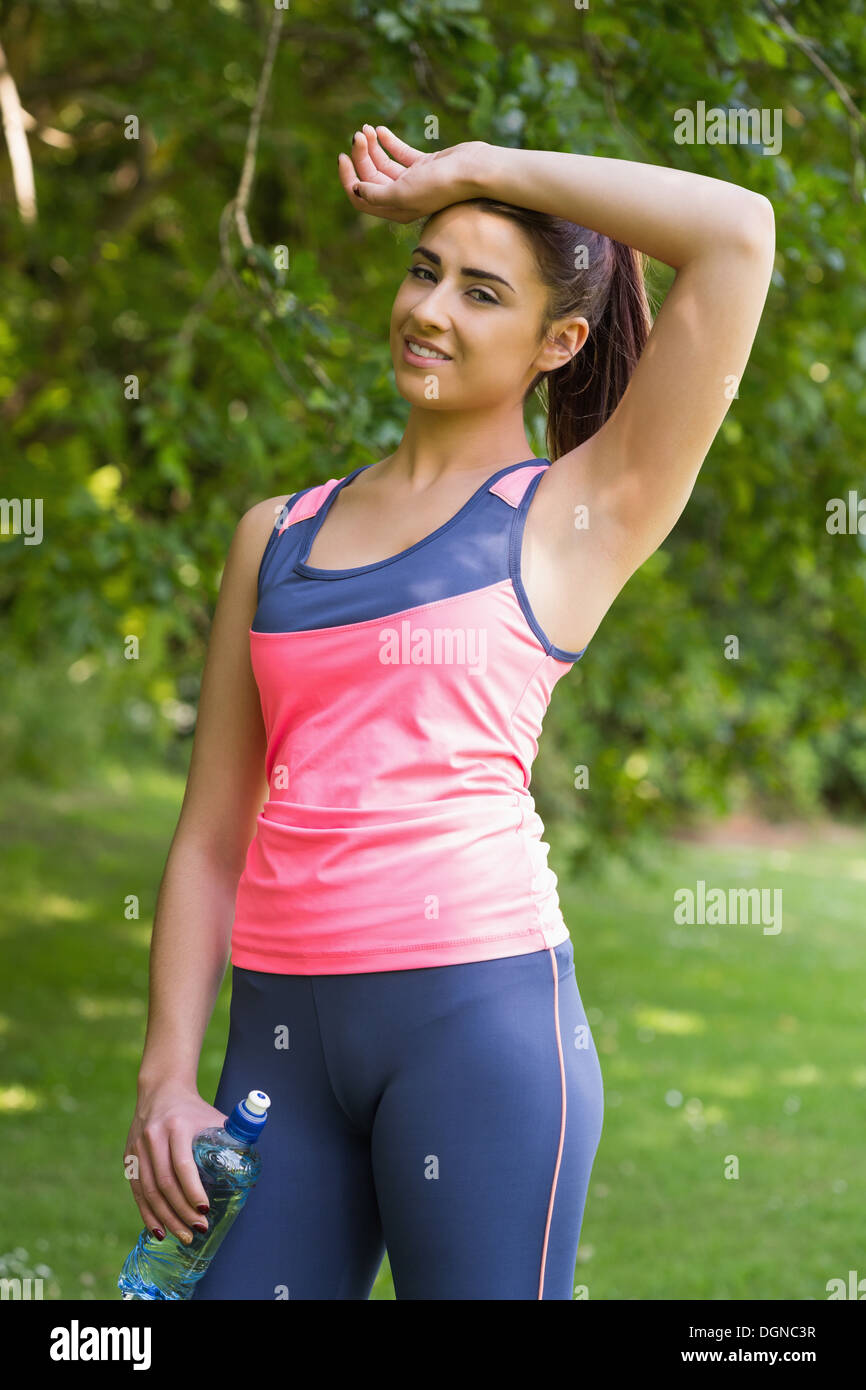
{"x": 418, "y": 352}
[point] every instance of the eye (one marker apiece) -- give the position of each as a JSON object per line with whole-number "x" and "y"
{"x": 420, "y": 270}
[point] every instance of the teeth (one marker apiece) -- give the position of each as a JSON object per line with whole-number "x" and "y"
{"x": 425, "y": 351}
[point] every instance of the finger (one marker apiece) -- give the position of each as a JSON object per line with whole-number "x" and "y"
{"x": 150, "y": 1199}
{"x": 396, "y": 147}
{"x": 148, "y": 1215}
{"x": 377, "y": 199}
{"x": 349, "y": 179}
{"x": 189, "y": 1178}
{"x": 369, "y": 195}
{"x": 364, "y": 165}
{"x": 167, "y": 1198}
{"x": 383, "y": 163}
{"x": 171, "y": 1186}
{"x": 373, "y": 198}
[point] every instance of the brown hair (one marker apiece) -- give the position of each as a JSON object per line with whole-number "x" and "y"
{"x": 610, "y": 293}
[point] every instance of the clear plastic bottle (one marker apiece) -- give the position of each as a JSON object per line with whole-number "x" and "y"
{"x": 229, "y": 1168}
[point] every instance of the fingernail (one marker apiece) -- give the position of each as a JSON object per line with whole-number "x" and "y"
{"x": 200, "y": 1226}
{"x": 203, "y": 1209}
{"x": 160, "y": 1235}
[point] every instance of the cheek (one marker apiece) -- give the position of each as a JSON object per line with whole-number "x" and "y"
{"x": 492, "y": 344}
{"x": 402, "y": 305}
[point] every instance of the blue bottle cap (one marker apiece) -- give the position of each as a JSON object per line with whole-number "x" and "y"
{"x": 249, "y": 1117}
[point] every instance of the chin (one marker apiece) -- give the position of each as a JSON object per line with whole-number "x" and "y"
{"x": 411, "y": 384}
{"x": 418, "y": 399}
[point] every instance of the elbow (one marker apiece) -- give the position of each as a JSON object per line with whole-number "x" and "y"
{"x": 756, "y": 225}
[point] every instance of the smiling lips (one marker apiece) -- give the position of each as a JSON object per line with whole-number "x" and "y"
{"x": 420, "y": 350}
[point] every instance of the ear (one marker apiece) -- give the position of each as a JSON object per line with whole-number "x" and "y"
{"x": 564, "y": 340}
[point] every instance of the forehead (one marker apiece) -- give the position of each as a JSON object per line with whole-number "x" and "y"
{"x": 469, "y": 236}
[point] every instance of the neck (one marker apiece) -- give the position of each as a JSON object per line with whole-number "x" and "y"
{"x": 440, "y": 443}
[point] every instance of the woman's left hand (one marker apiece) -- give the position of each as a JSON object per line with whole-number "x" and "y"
{"x": 400, "y": 183}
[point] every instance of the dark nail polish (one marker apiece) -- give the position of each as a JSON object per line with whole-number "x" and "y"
{"x": 160, "y": 1235}
{"x": 200, "y": 1226}
{"x": 203, "y": 1209}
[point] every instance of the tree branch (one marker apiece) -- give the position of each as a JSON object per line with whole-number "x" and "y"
{"x": 16, "y": 143}
{"x": 855, "y": 117}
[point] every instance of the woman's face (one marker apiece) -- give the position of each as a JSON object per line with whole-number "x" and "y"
{"x": 488, "y": 327}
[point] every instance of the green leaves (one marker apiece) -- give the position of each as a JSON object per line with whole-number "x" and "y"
{"x": 150, "y": 400}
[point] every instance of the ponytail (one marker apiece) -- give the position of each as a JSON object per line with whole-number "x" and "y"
{"x": 583, "y": 393}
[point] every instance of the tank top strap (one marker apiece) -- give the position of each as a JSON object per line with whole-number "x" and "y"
{"x": 308, "y": 503}
{"x": 512, "y": 487}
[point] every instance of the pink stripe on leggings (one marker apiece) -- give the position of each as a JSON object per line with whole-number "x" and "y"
{"x": 562, "y": 1124}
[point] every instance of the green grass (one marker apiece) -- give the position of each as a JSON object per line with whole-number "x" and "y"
{"x": 719, "y": 1045}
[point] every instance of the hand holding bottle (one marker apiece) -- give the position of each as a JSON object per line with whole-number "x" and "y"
{"x": 164, "y": 1178}
{"x": 227, "y": 1166}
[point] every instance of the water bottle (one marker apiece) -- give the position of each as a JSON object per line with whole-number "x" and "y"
{"x": 229, "y": 1167}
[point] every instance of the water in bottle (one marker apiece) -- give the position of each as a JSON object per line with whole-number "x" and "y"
{"x": 229, "y": 1167}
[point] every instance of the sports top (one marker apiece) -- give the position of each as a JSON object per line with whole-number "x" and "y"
{"x": 402, "y": 702}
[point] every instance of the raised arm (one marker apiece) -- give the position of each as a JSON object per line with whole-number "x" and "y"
{"x": 636, "y": 473}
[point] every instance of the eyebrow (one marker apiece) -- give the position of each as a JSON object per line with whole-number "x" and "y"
{"x": 471, "y": 272}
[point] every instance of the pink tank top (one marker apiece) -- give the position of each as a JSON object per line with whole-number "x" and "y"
{"x": 403, "y": 702}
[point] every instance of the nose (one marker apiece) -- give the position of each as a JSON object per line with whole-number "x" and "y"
{"x": 431, "y": 311}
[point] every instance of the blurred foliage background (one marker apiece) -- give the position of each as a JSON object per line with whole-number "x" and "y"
{"x": 159, "y": 375}
{"x": 162, "y": 369}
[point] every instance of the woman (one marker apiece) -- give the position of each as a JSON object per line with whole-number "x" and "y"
{"x": 403, "y": 983}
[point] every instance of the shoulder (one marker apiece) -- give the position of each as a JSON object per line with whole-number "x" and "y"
{"x": 254, "y": 530}
{"x": 260, "y": 521}
{"x": 263, "y": 517}
{"x": 249, "y": 542}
